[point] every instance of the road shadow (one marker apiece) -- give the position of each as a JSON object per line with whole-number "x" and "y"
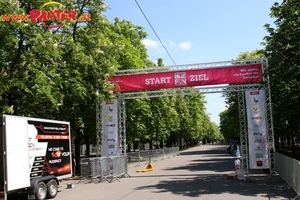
{"x": 209, "y": 180}
{"x": 215, "y": 159}
{"x": 209, "y": 184}
{"x": 217, "y": 150}
{"x": 212, "y": 164}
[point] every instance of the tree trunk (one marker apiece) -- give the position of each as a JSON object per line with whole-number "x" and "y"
{"x": 128, "y": 147}
{"x": 276, "y": 142}
{"x": 169, "y": 140}
{"x": 175, "y": 141}
{"x": 282, "y": 140}
{"x": 135, "y": 146}
{"x": 288, "y": 138}
{"x": 150, "y": 144}
{"x": 180, "y": 142}
{"x": 292, "y": 138}
{"x": 293, "y": 146}
{"x": 161, "y": 144}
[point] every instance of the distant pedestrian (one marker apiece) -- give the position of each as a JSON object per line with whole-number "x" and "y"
{"x": 73, "y": 162}
{"x": 235, "y": 143}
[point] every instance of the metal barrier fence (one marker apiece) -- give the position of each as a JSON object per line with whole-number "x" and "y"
{"x": 289, "y": 170}
{"x": 106, "y": 168}
{"x": 100, "y": 168}
{"x": 85, "y": 168}
{"x": 110, "y": 168}
{"x": 119, "y": 167}
{"x": 171, "y": 152}
{"x": 143, "y": 157}
{"x": 91, "y": 168}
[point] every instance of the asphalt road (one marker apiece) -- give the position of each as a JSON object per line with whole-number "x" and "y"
{"x": 198, "y": 173}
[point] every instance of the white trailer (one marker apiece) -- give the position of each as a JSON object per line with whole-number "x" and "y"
{"x": 36, "y": 154}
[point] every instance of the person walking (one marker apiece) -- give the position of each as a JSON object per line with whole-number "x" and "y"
{"x": 73, "y": 162}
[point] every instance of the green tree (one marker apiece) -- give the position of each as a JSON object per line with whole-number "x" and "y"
{"x": 161, "y": 121}
{"x": 283, "y": 50}
{"x": 57, "y": 73}
{"x": 132, "y": 53}
{"x": 229, "y": 119}
{"x": 229, "y": 125}
{"x": 137, "y": 115}
{"x": 199, "y": 118}
{"x": 30, "y": 84}
{"x": 62, "y": 73}
{"x": 248, "y": 55}
{"x": 214, "y": 132}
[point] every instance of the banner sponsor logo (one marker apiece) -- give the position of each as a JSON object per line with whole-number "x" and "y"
{"x": 51, "y": 14}
{"x": 257, "y": 130}
{"x": 188, "y": 78}
{"x": 110, "y": 118}
{"x": 257, "y": 133}
{"x": 257, "y": 117}
{"x": 259, "y": 163}
{"x": 110, "y": 141}
{"x": 180, "y": 79}
{"x": 255, "y": 109}
{"x": 258, "y": 140}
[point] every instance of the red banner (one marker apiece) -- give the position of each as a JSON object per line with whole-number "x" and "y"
{"x": 188, "y": 78}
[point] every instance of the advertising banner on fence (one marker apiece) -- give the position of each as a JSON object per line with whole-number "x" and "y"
{"x": 188, "y": 78}
{"x": 110, "y": 137}
{"x": 257, "y": 131}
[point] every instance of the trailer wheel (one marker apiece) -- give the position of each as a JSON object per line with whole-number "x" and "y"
{"x": 52, "y": 189}
{"x": 41, "y": 191}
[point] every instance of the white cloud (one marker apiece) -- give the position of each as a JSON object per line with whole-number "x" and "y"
{"x": 150, "y": 43}
{"x": 171, "y": 43}
{"x": 185, "y": 45}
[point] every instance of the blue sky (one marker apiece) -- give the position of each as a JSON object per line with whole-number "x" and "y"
{"x": 198, "y": 31}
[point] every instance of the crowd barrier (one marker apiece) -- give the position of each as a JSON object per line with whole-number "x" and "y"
{"x": 113, "y": 168}
{"x": 119, "y": 167}
{"x": 289, "y": 170}
{"x": 105, "y": 168}
{"x": 99, "y": 168}
{"x": 143, "y": 157}
{"x": 85, "y": 168}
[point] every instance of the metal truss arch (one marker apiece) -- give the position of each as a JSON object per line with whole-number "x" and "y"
{"x": 262, "y": 61}
{"x": 240, "y": 89}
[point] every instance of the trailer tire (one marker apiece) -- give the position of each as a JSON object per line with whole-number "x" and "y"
{"x": 41, "y": 191}
{"x": 52, "y": 189}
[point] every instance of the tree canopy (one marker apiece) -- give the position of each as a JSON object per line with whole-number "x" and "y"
{"x": 282, "y": 48}
{"x": 229, "y": 118}
{"x": 60, "y": 70}
{"x": 61, "y": 73}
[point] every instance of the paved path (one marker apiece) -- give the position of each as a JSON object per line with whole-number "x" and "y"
{"x": 198, "y": 173}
